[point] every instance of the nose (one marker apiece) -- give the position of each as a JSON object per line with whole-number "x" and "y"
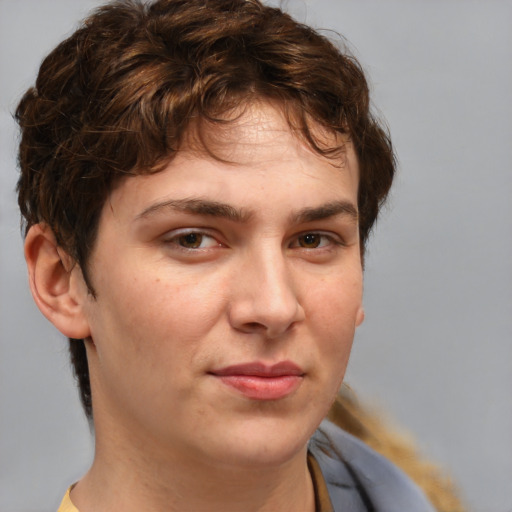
{"x": 265, "y": 298}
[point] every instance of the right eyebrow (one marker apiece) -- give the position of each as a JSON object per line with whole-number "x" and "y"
{"x": 197, "y": 206}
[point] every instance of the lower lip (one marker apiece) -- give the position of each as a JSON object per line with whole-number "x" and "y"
{"x": 263, "y": 388}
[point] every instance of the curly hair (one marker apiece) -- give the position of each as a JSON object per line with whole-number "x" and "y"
{"x": 117, "y": 97}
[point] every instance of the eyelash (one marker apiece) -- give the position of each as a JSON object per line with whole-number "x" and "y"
{"x": 325, "y": 241}
{"x": 331, "y": 240}
{"x": 180, "y": 235}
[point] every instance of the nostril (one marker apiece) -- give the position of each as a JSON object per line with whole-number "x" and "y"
{"x": 253, "y": 326}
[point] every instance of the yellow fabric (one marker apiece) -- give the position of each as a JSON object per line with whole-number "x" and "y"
{"x": 66, "y": 504}
{"x": 322, "y": 500}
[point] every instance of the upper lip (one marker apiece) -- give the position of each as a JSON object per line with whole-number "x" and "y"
{"x": 258, "y": 369}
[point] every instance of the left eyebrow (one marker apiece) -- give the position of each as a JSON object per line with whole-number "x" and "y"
{"x": 325, "y": 211}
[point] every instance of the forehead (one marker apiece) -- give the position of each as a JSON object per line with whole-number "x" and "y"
{"x": 241, "y": 132}
{"x": 255, "y": 156}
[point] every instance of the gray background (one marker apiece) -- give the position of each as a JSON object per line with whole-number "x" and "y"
{"x": 435, "y": 351}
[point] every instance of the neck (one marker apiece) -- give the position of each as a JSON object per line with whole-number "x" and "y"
{"x": 149, "y": 479}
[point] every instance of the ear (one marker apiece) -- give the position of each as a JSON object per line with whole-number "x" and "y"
{"x": 56, "y": 283}
{"x": 360, "y": 316}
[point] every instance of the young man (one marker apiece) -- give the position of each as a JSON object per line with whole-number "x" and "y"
{"x": 198, "y": 181}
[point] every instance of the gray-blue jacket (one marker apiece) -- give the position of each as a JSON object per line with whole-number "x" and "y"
{"x": 359, "y": 479}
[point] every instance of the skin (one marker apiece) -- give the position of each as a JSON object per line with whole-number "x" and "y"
{"x": 205, "y": 265}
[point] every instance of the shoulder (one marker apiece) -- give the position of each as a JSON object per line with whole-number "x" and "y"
{"x": 346, "y": 462}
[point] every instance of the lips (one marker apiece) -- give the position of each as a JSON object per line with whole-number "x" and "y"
{"x": 258, "y": 381}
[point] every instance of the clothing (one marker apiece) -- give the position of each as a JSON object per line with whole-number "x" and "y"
{"x": 66, "y": 504}
{"x": 348, "y": 476}
{"x": 360, "y": 480}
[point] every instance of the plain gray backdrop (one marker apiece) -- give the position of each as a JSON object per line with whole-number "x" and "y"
{"x": 435, "y": 351}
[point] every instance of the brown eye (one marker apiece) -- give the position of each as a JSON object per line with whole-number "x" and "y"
{"x": 310, "y": 240}
{"x": 191, "y": 240}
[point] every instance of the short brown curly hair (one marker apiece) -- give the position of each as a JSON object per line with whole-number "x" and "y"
{"x": 117, "y": 97}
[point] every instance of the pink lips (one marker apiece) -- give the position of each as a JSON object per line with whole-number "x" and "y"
{"x": 258, "y": 381}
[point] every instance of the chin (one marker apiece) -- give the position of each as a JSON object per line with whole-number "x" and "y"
{"x": 264, "y": 443}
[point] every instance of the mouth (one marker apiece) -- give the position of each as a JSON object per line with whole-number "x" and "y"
{"x": 258, "y": 381}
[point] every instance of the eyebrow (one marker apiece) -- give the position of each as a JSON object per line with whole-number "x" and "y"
{"x": 325, "y": 211}
{"x": 198, "y": 207}
{"x": 206, "y": 207}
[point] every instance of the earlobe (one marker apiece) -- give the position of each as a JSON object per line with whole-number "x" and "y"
{"x": 360, "y": 316}
{"x": 56, "y": 283}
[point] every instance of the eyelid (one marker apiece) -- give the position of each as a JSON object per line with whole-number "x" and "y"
{"x": 334, "y": 238}
{"x": 171, "y": 238}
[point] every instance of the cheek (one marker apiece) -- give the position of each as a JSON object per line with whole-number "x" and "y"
{"x": 334, "y": 312}
{"x": 158, "y": 320}
{"x": 335, "y": 303}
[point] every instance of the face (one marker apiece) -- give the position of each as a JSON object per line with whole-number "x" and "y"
{"x": 227, "y": 297}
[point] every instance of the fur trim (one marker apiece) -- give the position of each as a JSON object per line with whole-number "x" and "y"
{"x": 397, "y": 446}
